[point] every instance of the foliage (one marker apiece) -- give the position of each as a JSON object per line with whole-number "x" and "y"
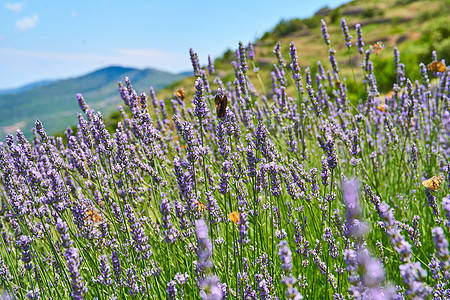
{"x": 299, "y": 191}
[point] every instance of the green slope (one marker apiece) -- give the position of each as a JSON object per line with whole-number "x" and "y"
{"x": 55, "y": 104}
{"x": 415, "y": 27}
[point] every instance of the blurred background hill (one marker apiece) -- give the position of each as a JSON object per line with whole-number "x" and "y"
{"x": 55, "y": 102}
{"x": 415, "y": 27}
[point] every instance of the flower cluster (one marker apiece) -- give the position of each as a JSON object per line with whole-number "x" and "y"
{"x": 291, "y": 193}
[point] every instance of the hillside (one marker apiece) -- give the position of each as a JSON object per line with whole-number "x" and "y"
{"x": 55, "y": 103}
{"x": 415, "y": 27}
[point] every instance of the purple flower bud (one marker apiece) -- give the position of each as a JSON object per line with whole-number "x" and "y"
{"x": 204, "y": 246}
{"x": 347, "y": 34}
{"x": 172, "y": 290}
{"x": 360, "y": 42}
{"x": 195, "y": 62}
{"x": 211, "y": 69}
{"x": 242, "y": 59}
{"x": 325, "y": 34}
{"x": 251, "y": 51}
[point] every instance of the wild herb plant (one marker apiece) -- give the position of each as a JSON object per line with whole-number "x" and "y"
{"x": 304, "y": 195}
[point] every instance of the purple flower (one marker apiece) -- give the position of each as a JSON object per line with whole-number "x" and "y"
{"x": 211, "y": 289}
{"x": 133, "y": 288}
{"x": 325, "y": 34}
{"x": 215, "y": 212}
{"x": 24, "y": 243}
{"x": 172, "y": 290}
{"x": 347, "y": 34}
{"x": 413, "y": 275}
{"x": 333, "y": 245}
{"x": 285, "y": 255}
{"x": 325, "y": 174}
{"x": 105, "y": 269}
{"x": 243, "y": 229}
{"x": 201, "y": 109}
{"x": 40, "y": 130}
{"x": 275, "y": 181}
{"x": 360, "y": 42}
{"x": 170, "y": 233}
{"x": 295, "y": 67}
{"x": 195, "y": 62}
{"x": 432, "y": 202}
{"x": 331, "y": 153}
{"x": 264, "y": 292}
{"x": 140, "y": 239}
{"x": 251, "y": 51}
{"x": 204, "y": 246}
{"x": 354, "y": 224}
{"x": 442, "y": 250}
{"x": 181, "y": 279}
{"x": 242, "y": 59}
{"x": 211, "y": 69}
{"x": 73, "y": 261}
{"x": 277, "y": 52}
{"x": 83, "y": 105}
{"x": 117, "y": 269}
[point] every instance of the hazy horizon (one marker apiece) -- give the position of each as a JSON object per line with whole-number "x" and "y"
{"x": 53, "y": 40}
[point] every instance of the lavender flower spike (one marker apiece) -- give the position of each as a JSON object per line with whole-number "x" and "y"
{"x": 347, "y": 34}
{"x": 353, "y": 224}
{"x": 210, "y": 287}
{"x": 200, "y": 110}
{"x": 360, "y": 42}
{"x": 325, "y": 34}
{"x": 204, "y": 245}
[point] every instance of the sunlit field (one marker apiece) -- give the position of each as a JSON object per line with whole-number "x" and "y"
{"x": 243, "y": 191}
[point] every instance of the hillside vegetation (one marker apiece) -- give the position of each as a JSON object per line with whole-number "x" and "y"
{"x": 55, "y": 103}
{"x": 287, "y": 189}
{"x": 415, "y": 27}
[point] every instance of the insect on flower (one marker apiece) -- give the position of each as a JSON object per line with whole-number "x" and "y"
{"x": 221, "y": 105}
{"x": 437, "y": 66}
{"x": 93, "y": 218}
{"x": 433, "y": 183}
{"x": 234, "y": 216}
{"x": 201, "y": 207}
{"x": 376, "y": 48}
{"x": 380, "y": 107}
{"x": 180, "y": 93}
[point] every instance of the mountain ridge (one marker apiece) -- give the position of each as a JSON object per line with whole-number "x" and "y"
{"x": 55, "y": 103}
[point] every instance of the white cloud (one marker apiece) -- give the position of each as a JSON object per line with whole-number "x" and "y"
{"x": 14, "y": 7}
{"x": 27, "y": 22}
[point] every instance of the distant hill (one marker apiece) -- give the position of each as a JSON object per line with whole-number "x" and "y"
{"x": 26, "y": 87}
{"x": 55, "y": 103}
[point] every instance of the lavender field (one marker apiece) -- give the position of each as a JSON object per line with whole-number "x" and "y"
{"x": 297, "y": 190}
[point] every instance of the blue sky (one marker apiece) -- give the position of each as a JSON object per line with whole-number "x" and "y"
{"x": 42, "y": 39}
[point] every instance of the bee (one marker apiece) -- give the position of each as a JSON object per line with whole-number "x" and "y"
{"x": 201, "y": 207}
{"x": 433, "y": 183}
{"x": 376, "y": 48}
{"x": 234, "y": 216}
{"x": 180, "y": 94}
{"x": 93, "y": 218}
{"x": 221, "y": 105}
{"x": 437, "y": 66}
